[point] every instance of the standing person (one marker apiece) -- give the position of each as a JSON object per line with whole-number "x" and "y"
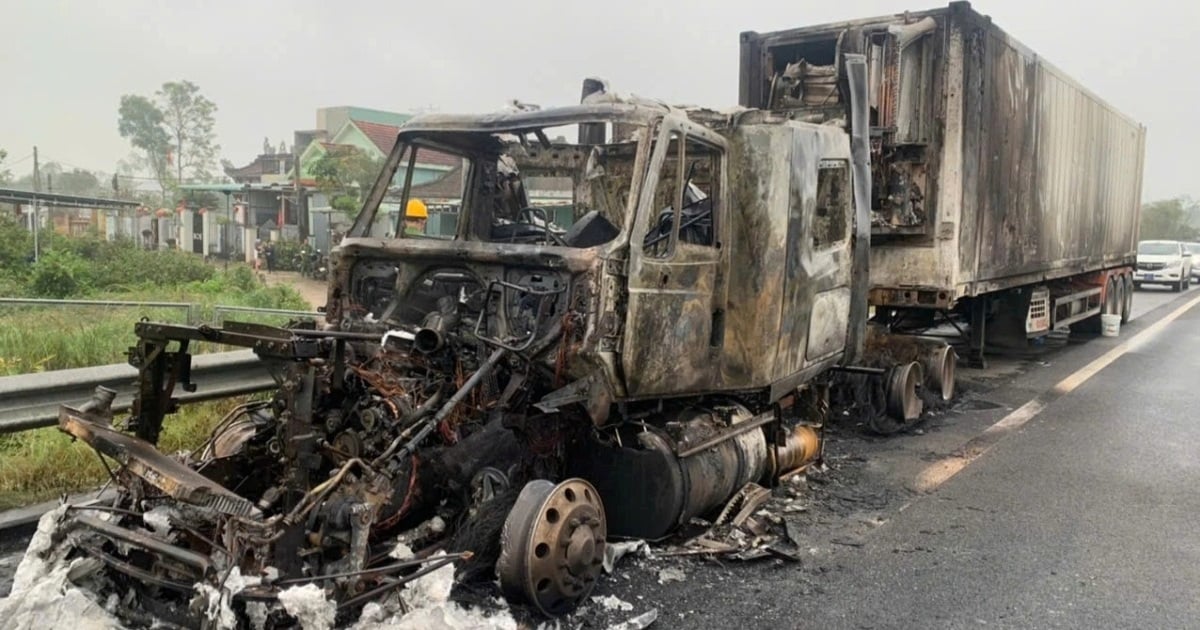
{"x": 270, "y": 251}
{"x": 258, "y": 255}
{"x": 415, "y": 216}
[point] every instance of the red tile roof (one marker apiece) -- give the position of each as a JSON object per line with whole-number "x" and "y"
{"x": 384, "y": 137}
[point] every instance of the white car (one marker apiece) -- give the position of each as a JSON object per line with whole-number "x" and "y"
{"x": 1194, "y": 250}
{"x": 1163, "y": 262}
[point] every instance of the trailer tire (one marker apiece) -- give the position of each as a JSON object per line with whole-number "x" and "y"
{"x": 1112, "y": 297}
{"x": 1127, "y": 303}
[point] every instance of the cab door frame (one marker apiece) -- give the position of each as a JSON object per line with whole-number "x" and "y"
{"x": 674, "y": 329}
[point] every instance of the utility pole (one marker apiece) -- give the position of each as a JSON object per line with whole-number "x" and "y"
{"x": 36, "y": 185}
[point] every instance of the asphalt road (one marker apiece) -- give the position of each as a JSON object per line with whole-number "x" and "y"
{"x": 1083, "y": 517}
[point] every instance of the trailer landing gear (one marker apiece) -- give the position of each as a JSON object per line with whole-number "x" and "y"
{"x": 977, "y": 338}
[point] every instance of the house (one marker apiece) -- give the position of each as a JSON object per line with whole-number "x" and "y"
{"x": 373, "y": 132}
{"x": 272, "y": 166}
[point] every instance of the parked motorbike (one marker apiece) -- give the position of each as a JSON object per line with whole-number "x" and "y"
{"x": 320, "y": 266}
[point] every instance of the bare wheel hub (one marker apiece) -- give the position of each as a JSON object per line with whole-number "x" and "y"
{"x": 553, "y": 545}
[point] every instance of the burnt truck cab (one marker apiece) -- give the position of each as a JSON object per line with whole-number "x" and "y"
{"x": 612, "y": 359}
{"x": 705, "y": 253}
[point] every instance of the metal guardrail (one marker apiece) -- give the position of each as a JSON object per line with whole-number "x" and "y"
{"x": 220, "y": 310}
{"x": 31, "y": 401}
{"x": 192, "y": 310}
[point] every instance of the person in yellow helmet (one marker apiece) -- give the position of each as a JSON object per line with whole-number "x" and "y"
{"x": 415, "y": 216}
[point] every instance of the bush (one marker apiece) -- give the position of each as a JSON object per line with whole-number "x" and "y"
{"x": 59, "y": 274}
{"x": 287, "y": 255}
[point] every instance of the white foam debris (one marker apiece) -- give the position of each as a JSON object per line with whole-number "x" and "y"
{"x": 671, "y": 574}
{"x": 612, "y": 602}
{"x": 158, "y": 519}
{"x": 51, "y": 601}
{"x": 615, "y": 551}
{"x": 218, "y": 603}
{"x": 430, "y": 608}
{"x": 36, "y": 564}
{"x": 401, "y": 552}
{"x": 309, "y": 606}
{"x": 215, "y": 604}
{"x": 640, "y": 622}
{"x": 42, "y": 596}
{"x": 257, "y": 612}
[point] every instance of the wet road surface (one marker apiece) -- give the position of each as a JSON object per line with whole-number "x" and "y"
{"x": 1083, "y": 517}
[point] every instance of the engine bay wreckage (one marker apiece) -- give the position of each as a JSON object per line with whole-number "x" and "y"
{"x": 512, "y": 398}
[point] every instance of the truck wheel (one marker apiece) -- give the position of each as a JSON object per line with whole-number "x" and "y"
{"x": 1112, "y": 297}
{"x": 552, "y": 545}
{"x": 1127, "y": 304}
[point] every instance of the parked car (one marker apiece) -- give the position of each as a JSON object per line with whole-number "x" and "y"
{"x": 1163, "y": 262}
{"x": 1194, "y": 250}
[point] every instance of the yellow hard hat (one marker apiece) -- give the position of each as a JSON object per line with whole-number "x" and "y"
{"x": 416, "y": 209}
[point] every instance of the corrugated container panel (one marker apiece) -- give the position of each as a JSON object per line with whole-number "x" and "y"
{"x": 1059, "y": 192}
{"x": 1044, "y": 181}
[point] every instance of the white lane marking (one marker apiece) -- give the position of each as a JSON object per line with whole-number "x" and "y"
{"x": 942, "y": 470}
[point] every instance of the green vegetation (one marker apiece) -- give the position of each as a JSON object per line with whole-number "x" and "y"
{"x": 1171, "y": 219}
{"x": 38, "y": 465}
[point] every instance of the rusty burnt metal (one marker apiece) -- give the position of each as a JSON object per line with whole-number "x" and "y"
{"x": 506, "y": 394}
{"x": 991, "y": 168}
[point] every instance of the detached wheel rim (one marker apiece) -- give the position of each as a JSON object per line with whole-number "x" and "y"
{"x": 903, "y": 404}
{"x": 943, "y": 368}
{"x": 552, "y": 545}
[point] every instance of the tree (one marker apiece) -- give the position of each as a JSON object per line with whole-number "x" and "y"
{"x": 173, "y": 130}
{"x": 5, "y": 174}
{"x": 188, "y": 117}
{"x": 76, "y": 181}
{"x": 344, "y": 175}
{"x": 1168, "y": 219}
{"x": 141, "y": 122}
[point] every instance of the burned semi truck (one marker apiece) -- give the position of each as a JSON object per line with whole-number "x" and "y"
{"x": 1001, "y": 188}
{"x": 517, "y": 394}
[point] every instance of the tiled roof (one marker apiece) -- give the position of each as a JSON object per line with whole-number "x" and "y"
{"x": 448, "y": 186}
{"x": 384, "y": 137}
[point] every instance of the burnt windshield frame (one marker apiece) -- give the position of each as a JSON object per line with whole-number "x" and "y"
{"x": 460, "y": 135}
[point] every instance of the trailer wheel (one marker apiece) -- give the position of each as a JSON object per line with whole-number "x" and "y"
{"x": 1112, "y": 304}
{"x": 901, "y": 383}
{"x": 940, "y": 369}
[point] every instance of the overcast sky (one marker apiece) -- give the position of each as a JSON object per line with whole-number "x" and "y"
{"x": 269, "y": 64}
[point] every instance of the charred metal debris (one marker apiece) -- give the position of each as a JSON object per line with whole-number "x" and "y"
{"x": 512, "y": 398}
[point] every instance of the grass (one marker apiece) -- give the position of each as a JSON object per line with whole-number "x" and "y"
{"x": 38, "y": 338}
{"x": 42, "y": 464}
